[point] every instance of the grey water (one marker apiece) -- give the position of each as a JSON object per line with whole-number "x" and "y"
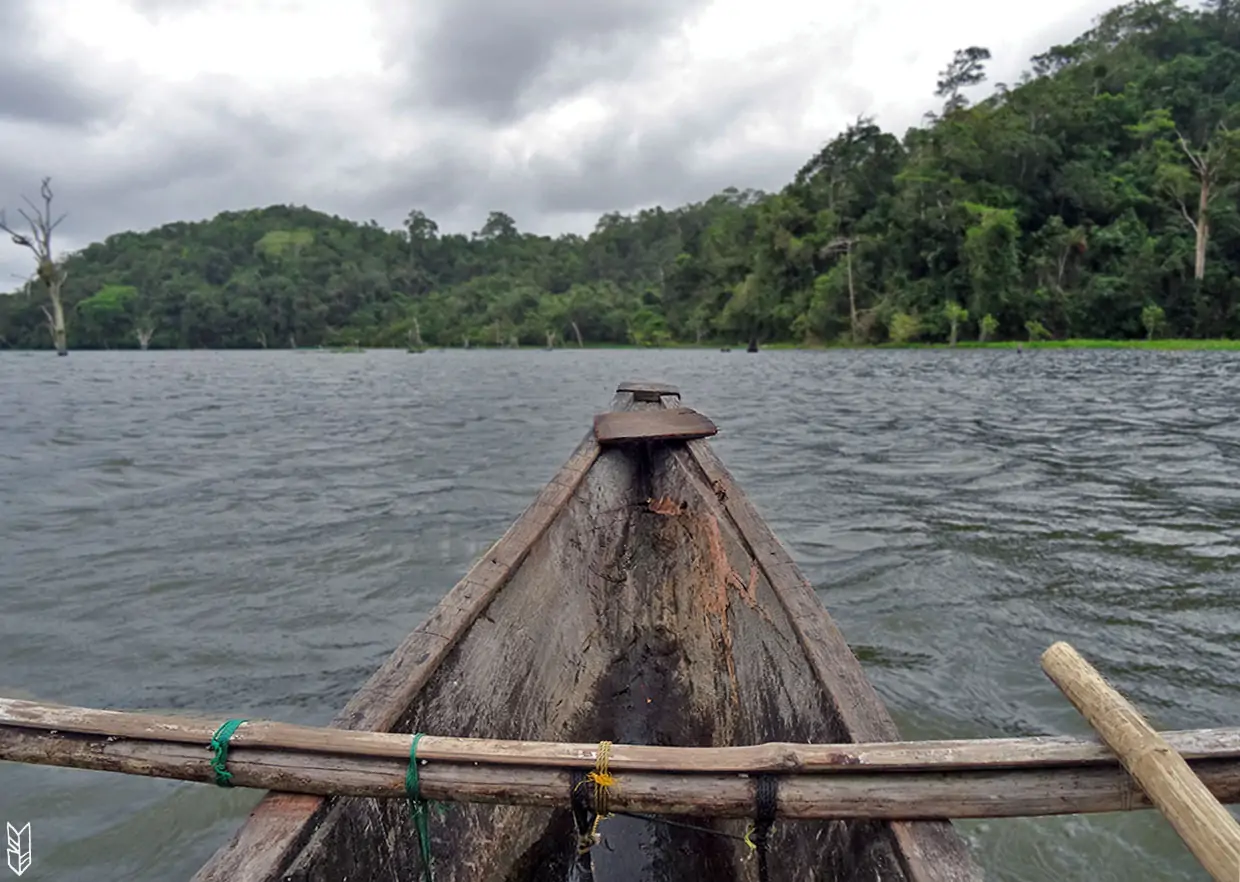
{"x": 250, "y": 534}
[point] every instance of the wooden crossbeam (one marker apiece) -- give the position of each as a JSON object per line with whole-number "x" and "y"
{"x": 670, "y": 424}
{"x": 643, "y": 391}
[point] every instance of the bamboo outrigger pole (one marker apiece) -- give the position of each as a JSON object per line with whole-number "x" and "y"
{"x": 1206, "y": 827}
{"x": 980, "y": 778}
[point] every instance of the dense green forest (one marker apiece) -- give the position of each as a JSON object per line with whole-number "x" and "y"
{"x": 1095, "y": 198}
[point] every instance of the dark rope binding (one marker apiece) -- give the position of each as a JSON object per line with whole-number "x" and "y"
{"x": 584, "y": 823}
{"x": 766, "y": 791}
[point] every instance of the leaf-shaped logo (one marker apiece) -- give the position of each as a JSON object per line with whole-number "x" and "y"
{"x": 19, "y": 848}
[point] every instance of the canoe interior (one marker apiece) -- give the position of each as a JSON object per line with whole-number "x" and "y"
{"x": 628, "y": 622}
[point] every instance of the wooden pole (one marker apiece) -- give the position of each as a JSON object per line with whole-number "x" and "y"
{"x": 1009, "y": 777}
{"x": 1206, "y": 827}
{"x": 871, "y": 758}
{"x": 884, "y": 795}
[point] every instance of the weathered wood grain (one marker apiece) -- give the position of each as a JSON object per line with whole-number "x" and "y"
{"x": 930, "y": 851}
{"x": 526, "y": 670}
{"x": 673, "y": 424}
{"x": 272, "y": 834}
{"x": 785, "y": 757}
{"x": 1207, "y": 828}
{"x": 1027, "y": 792}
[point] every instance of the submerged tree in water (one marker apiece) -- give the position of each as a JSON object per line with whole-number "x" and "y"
{"x": 50, "y": 274}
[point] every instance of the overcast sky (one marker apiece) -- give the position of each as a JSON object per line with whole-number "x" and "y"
{"x": 555, "y": 111}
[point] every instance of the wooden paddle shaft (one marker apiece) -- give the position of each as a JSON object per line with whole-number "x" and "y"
{"x": 1206, "y": 827}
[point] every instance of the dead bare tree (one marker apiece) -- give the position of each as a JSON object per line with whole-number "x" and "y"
{"x": 576, "y": 330}
{"x": 47, "y": 271}
{"x": 1210, "y": 166}
{"x": 415, "y": 338}
{"x": 145, "y": 331}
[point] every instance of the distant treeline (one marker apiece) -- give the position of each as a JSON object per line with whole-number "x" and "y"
{"x": 1095, "y": 198}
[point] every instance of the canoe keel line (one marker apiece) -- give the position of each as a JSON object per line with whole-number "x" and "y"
{"x": 638, "y": 627}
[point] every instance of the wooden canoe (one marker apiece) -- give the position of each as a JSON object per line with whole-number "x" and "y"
{"x": 639, "y": 599}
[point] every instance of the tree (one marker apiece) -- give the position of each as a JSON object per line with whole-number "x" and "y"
{"x": 107, "y": 316}
{"x": 904, "y": 328}
{"x": 48, "y": 272}
{"x": 956, "y": 314}
{"x": 991, "y": 256}
{"x": 987, "y": 327}
{"x": 1206, "y": 171}
{"x": 1152, "y": 316}
{"x": 498, "y": 226}
{"x": 967, "y": 68}
{"x": 146, "y": 330}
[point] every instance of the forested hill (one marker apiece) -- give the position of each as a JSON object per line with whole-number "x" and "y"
{"x": 1093, "y": 199}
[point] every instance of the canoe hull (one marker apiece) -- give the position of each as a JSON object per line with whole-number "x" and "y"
{"x": 641, "y": 613}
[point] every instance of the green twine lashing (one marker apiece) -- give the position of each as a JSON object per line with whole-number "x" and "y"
{"x": 418, "y": 807}
{"x": 219, "y": 743}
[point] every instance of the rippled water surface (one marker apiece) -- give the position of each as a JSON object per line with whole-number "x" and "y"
{"x": 249, "y": 534}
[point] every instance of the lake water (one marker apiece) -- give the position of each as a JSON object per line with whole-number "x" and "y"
{"x": 250, "y": 534}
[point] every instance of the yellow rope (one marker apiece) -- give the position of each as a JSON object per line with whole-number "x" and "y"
{"x": 749, "y": 831}
{"x": 602, "y": 780}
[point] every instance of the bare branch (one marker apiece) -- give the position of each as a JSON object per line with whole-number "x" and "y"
{"x": 1198, "y": 163}
{"x": 1184, "y": 211}
{"x": 18, "y": 238}
{"x": 36, "y": 229}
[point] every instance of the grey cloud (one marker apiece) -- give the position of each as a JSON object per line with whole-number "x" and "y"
{"x": 497, "y": 58}
{"x": 216, "y": 159}
{"x": 229, "y": 161}
{"x": 632, "y": 160}
{"x": 35, "y": 88}
{"x": 659, "y": 165}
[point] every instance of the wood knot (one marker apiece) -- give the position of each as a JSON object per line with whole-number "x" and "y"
{"x": 789, "y": 761}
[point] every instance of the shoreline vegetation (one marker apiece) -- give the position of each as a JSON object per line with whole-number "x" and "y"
{"x": 1090, "y": 204}
{"x": 1158, "y": 345}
